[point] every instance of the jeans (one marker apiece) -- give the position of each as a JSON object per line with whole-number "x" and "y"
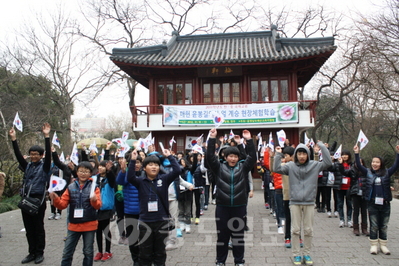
{"x": 379, "y": 218}
{"x": 70, "y": 245}
{"x": 230, "y": 224}
{"x": 341, "y": 196}
{"x": 207, "y": 187}
{"x": 287, "y": 213}
{"x": 185, "y": 204}
{"x": 359, "y": 204}
{"x": 278, "y": 198}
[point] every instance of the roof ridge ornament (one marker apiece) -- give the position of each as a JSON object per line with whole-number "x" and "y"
{"x": 276, "y": 37}
{"x": 166, "y": 47}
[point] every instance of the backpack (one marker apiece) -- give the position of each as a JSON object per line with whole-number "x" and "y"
{"x": 107, "y": 196}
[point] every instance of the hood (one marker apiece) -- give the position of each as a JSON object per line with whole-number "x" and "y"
{"x": 301, "y": 146}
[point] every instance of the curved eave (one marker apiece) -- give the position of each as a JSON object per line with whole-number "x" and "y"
{"x": 283, "y": 58}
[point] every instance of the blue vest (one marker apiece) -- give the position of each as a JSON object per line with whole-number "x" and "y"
{"x": 35, "y": 176}
{"x": 80, "y": 199}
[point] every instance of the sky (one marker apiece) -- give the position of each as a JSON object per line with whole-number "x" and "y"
{"x": 115, "y": 100}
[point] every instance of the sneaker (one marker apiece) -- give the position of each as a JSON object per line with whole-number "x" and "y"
{"x": 336, "y": 214}
{"x": 170, "y": 246}
{"x": 271, "y": 211}
{"x": 106, "y": 256}
{"x": 182, "y": 226}
{"x": 188, "y": 229}
{"x": 280, "y": 230}
{"x": 350, "y": 224}
{"x": 287, "y": 243}
{"x": 201, "y": 212}
{"x": 98, "y": 256}
{"x": 239, "y": 264}
{"x": 179, "y": 233}
{"x": 220, "y": 264}
{"x": 329, "y": 214}
{"x": 307, "y": 260}
{"x": 206, "y": 207}
{"x": 58, "y": 216}
{"x": 297, "y": 260}
{"x": 121, "y": 240}
{"x": 341, "y": 224}
{"x": 196, "y": 221}
{"x": 274, "y": 214}
{"x": 267, "y": 206}
{"x": 214, "y": 201}
{"x": 52, "y": 216}
{"x": 301, "y": 243}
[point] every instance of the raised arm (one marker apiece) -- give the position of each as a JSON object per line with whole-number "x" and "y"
{"x": 251, "y": 157}
{"x": 357, "y": 160}
{"x": 277, "y": 167}
{"x": 212, "y": 160}
{"x": 47, "y": 157}
{"x": 20, "y": 158}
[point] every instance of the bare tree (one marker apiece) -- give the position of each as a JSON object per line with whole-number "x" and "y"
{"x": 379, "y": 34}
{"x": 50, "y": 49}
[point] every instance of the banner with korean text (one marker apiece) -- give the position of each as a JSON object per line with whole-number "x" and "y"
{"x": 234, "y": 114}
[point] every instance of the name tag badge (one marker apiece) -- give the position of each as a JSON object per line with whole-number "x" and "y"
{"x": 379, "y": 201}
{"x": 153, "y": 206}
{"x": 78, "y": 213}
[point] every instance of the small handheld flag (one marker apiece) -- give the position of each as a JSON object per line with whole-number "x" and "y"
{"x": 362, "y": 139}
{"x": 62, "y": 157}
{"x": 217, "y": 119}
{"x": 307, "y": 140}
{"x": 125, "y": 136}
{"x": 17, "y": 122}
{"x": 75, "y": 155}
{"x": 231, "y": 135}
{"x": 337, "y": 154}
{"x": 271, "y": 142}
{"x": 56, "y": 184}
{"x": 56, "y": 140}
{"x": 281, "y": 137}
{"x": 172, "y": 141}
{"x": 260, "y": 141}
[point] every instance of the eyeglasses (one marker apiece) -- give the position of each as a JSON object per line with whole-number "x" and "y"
{"x": 34, "y": 154}
{"x": 84, "y": 172}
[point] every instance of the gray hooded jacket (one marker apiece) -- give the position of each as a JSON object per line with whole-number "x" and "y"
{"x": 303, "y": 177}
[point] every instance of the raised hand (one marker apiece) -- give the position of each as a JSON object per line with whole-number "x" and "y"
{"x": 213, "y": 133}
{"x": 109, "y": 144}
{"x": 12, "y": 134}
{"x": 356, "y": 149}
{"x": 133, "y": 155}
{"x": 46, "y": 130}
{"x": 246, "y": 134}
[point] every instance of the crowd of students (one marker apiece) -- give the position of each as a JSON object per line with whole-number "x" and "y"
{"x": 150, "y": 191}
{"x": 294, "y": 186}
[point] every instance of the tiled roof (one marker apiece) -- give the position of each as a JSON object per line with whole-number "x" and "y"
{"x": 224, "y": 48}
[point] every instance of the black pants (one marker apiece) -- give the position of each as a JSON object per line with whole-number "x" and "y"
{"x": 230, "y": 224}
{"x": 34, "y": 227}
{"x": 152, "y": 243}
{"x": 287, "y": 212}
{"x": 120, "y": 208}
{"x": 103, "y": 226}
{"x": 359, "y": 204}
{"x": 197, "y": 197}
{"x": 132, "y": 234}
